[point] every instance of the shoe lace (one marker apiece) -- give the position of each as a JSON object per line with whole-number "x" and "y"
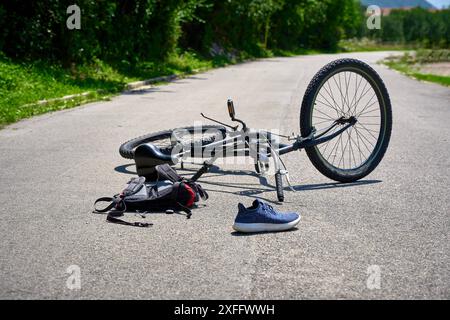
{"x": 268, "y": 208}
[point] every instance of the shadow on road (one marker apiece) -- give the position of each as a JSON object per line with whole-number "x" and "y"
{"x": 256, "y": 193}
{"x": 242, "y": 234}
{"x": 124, "y": 169}
{"x": 251, "y": 190}
{"x": 332, "y": 185}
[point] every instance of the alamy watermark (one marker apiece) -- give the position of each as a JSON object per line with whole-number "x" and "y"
{"x": 374, "y": 277}
{"x": 74, "y": 20}
{"x": 373, "y": 17}
{"x": 73, "y": 282}
{"x": 239, "y": 147}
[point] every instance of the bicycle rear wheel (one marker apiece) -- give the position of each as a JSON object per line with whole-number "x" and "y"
{"x": 346, "y": 88}
{"x": 167, "y": 139}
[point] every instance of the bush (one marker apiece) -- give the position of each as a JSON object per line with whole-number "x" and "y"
{"x": 126, "y": 32}
{"x": 417, "y": 26}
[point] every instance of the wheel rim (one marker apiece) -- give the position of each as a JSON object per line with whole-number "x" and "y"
{"x": 345, "y": 93}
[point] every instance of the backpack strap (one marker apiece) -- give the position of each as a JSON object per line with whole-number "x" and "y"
{"x": 115, "y": 202}
{"x": 118, "y": 203}
{"x": 112, "y": 219}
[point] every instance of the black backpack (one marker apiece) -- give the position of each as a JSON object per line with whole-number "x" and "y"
{"x": 169, "y": 192}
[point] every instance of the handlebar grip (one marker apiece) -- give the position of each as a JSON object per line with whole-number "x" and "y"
{"x": 231, "y": 111}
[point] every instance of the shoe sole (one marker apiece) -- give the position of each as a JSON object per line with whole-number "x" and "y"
{"x": 265, "y": 227}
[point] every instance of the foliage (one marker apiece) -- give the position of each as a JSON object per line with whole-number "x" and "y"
{"x": 417, "y": 26}
{"x": 411, "y": 64}
{"x": 127, "y": 32}
{"x": 23, "y": 84}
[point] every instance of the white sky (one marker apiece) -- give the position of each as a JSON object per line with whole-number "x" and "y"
{"x": 440, "y": 3}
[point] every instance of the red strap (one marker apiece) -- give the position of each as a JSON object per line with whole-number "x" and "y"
{"x": 191, "y": 192}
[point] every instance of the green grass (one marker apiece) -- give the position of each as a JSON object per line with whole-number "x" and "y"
{"x": 22, "y": 85}
{"x": 367, "y": 45}
{"x": 411, "y": 71}
{"x": 410, "y": 65}
{"x": 298, "y": 52}
{"x": 432, "y": 78}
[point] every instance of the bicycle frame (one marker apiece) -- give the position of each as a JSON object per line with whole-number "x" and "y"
{"x": 232, "y": 144}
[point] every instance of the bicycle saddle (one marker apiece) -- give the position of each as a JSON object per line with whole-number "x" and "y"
{"x": 147, "y": 157}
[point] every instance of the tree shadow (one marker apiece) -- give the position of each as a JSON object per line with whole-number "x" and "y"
{"x": 145, "y": 91}
{"x": 196, "y": 78}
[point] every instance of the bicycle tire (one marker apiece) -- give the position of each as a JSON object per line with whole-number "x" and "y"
{"x": 306, "y": 114}
{"x": 126, "y": 150}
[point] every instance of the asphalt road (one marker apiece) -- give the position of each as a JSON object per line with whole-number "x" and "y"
{"x": 54, "y": 166}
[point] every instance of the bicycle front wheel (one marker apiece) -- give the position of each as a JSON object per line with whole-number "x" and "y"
{"x": 347, "y": 88}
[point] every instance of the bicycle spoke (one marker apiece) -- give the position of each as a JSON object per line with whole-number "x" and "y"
{"x": 362, "y": 141}
{"x": 328, "y": 104}
{"x": 359, "y": 148}
{"x": 362, "y": 96}
{"x": 339, "y": 87}
{"x": 334, "y": 147}
{"x": 343, "y": 154}
{"x": 327, "y": 143}
{"x": 344, "y": 94}
{"x": 370, "y": 130}
{"x": 324, "y": 114}
{"x": 367, "y": 131}
{"x": 365, "y": 139}
{"x": 346, "y": 91}
{"x": 332, "y": 97}
{"x": 362, "y": 156}
{"x": 317, "y": 123}
{"x": 330, "y": 94}
{"x": 369, "y": 124}
{"x": 356, "y": 89}
{"x": 368, "y": 104}
{"x": 352, "y": 153}
{"x": 370, "y": 111}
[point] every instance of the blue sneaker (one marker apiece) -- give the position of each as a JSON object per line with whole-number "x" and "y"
{"x": 262, "y": 217}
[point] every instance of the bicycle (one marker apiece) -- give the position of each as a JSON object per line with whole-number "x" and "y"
{"x": 344, "y": 132}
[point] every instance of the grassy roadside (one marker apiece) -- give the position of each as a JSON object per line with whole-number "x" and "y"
{"x": 411, "y": 64}
{"x": 22, "y": 85}
{"x": 367, "y": 45}
{"x": 411, "y": 71}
